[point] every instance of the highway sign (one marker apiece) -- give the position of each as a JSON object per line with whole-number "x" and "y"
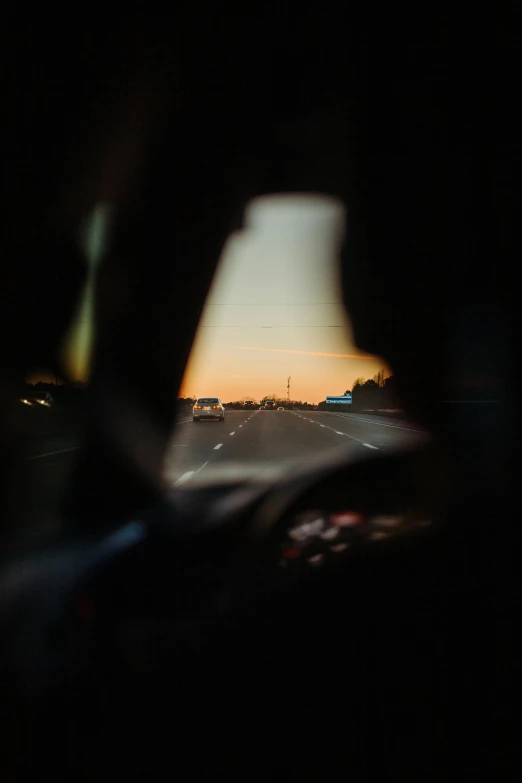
{"x": 346, "y": 399}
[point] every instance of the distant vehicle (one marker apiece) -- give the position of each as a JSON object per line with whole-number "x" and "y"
{"x": 39, "y": 398}
{"x": 208, "y": 408}
{"x": 270, "y": 405}
{"x": 249, "y": 404}
{"x": 280, "y": 409}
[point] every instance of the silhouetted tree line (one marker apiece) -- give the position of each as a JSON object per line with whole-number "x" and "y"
{"x": 186, "y": 402}
{"x": 377, "y": 393}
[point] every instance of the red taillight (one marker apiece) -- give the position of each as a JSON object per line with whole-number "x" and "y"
{"x": 197, "y": 407}
{"x": 217, "y": 406}
{"x": 291, "y": 554}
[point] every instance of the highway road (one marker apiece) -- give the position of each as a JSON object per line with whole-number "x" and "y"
{"x": 50, "y": 445}
{"x": 292, "y": 437}
{"x": 268, "y": 438}
{"x": 52, "y": 440}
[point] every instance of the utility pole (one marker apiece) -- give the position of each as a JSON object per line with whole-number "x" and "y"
{"x": 288, "y": 390}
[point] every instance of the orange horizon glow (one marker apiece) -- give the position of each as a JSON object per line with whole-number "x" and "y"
{"x": 275, "y": 311}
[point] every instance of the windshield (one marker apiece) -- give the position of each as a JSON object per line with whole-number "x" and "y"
{"x": 279, "y": 338}
{"x": 285, "y": 329}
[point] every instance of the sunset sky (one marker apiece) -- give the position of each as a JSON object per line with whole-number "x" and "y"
{"x": 275, "y": 311}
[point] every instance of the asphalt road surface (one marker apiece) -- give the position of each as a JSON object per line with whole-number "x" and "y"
{"x": 294, "y": 437}
{"x": 51, "y": 447}
{"x": 51, "y": 443}
{"x": 51, "y": 440}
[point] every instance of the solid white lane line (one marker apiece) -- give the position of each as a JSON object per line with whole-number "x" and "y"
{"x": 348, "y": 436}
{"x": 218, "y": 446}
{"x": 51, "y": 453}
{"x": 370, "y": 447}
{"x": 378, "y": 423}
{"x": 183, "y": 478}
{"x": 186, "y": 476}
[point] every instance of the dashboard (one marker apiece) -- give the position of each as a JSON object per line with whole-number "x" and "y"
{"x": 167, "y": 577}
{"x": 317, "y": 538}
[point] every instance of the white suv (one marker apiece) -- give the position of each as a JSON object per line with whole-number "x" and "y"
{"x": 208, "y": 408}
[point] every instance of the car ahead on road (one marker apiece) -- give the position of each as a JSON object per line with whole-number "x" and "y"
{"x": 38, "y": 398}
{"x": 280, "y": 409}
{"x": 208, "y": 408}
{"x": 270, "y": 405}
{"x": 249, "y": 405}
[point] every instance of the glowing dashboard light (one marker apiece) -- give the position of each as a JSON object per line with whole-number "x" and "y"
{"x": 330, "y": 533}
{"x": 316, "y": 560}
{"x": 347, "y": 519}
{"x": 307, "y": 530}
{"x": 378, "y": 536}
{"x": 387, "y": 521}
{"x": 339, "y": 548}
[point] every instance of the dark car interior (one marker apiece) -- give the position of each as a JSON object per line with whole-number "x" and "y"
{"x": 168, "y": 637}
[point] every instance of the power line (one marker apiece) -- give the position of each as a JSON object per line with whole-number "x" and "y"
{"x": 83, "y": 302}
{"x": 252, "y": 304}
{"x": 288, "y": 326}
{"x": 283, "y": 326}
{"x": 270, "y": 304}
{"x": 248, "y": 326}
